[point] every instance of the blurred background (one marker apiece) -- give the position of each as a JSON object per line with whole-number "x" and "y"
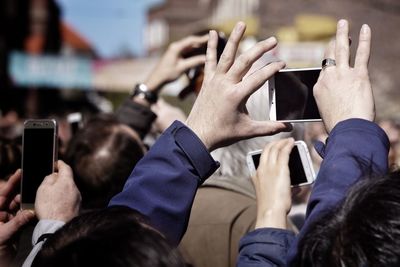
{"x": 61, "y": 56}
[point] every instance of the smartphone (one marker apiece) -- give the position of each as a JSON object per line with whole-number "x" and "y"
{"x": 75, "y": 122}
{"x": 291, "y": 96}
{"x": 39, "y": 155}
{"x": 300, "y": 164}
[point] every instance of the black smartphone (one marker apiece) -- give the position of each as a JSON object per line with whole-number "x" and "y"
{"x": 39, "y": 156}
{"x": 300, "y": 164}
{"x": 291, "y": 96}
{"x": 75, "y": 122}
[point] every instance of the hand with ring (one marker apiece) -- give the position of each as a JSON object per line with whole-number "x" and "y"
{"x": 344, "y": 92}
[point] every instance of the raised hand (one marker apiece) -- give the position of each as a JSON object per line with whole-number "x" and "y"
{"x": 343, "y": 92}
{"x": 219, "y": 116}
{"x": 173, "y": 64}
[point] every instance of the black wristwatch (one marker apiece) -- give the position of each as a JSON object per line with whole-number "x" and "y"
{"x": 142, "y": 91}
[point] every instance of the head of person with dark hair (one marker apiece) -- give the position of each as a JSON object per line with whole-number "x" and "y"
{"x": 10, "y": 157}
{"x": 102, "y": 155}
{"x": 116, "y": 236}
{"x": 363, "y": 231}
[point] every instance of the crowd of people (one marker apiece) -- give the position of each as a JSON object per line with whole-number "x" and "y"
{"x": 115, "y": 202}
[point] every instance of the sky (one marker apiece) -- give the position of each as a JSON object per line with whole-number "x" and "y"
{"x": 109, "y": 25}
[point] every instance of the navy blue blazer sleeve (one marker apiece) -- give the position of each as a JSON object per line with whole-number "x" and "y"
{"x": 164, "y": 182}
{"x": 355, "y": 148}
{"x": 264, "y": 247}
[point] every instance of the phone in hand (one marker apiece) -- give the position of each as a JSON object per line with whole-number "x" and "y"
{"x": 39, "y": 156}
{"x": 75, "y": 122}
{"x": 291, "y": 96}
{"x": 300, "y": 164}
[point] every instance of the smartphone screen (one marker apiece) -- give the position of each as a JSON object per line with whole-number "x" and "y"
{"x": 37, "y": 160}
{"x": 294, "y": 98}
{"x": 297, "y": 174}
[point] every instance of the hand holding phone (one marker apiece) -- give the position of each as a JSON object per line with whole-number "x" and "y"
{"x": 272, "y": 185}
{"x": 300, "y": 164}
{"x": 11, "y": 220}
{"x": 39, "y": 154}
{"x": 58, "y": 198}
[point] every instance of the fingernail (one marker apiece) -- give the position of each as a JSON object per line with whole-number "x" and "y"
{"x": 240, "y": 26}
{"x": 341, "y": 23}
{"x": 364, "y": 28}
{"x": 272, "y": 39}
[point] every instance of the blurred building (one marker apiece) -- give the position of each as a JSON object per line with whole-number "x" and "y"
{"x": 302, "y": 28}
{"x": 175, "y": 19}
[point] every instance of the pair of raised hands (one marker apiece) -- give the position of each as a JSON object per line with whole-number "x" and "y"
{"x": 219, "y": 117}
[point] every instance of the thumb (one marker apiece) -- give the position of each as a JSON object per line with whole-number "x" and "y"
{"x": 262, "y": 128}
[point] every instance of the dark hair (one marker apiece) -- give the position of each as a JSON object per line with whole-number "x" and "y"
{"x": 115, "y": 236}
{"x": 10, "y": 157}
{"x": 363, "y": 231}
{"x": 102, "y": 155}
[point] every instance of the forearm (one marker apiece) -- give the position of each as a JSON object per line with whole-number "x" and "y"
{"x": 163, "y": 184}
{"x": 272, "y": 218}
{"x": 264, "y": 247}
{"x": 137, "y": 116}
{"x": 356, "y": 148}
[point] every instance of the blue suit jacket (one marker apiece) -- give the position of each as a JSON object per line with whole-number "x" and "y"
{"x": 354, "y": 149}
{"x": 163, "y": 184}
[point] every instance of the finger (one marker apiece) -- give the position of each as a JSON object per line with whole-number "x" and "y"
{"x": 211, "y": 55}
{"x": 3, "y": 216}
{"x": 191, "y": 62}
{"x": 330, "y": 49}
{"x": 263, "y": 128}
{"x": 229, "y": 53}
{"x": 277, "y": 148}
{"x": 15, "y": 224}
{"x": 15, "y": 203}
{"x": 10, "y": 188}
{"x": 189, "y": 42}
{"x": 285, "y": 150}
{"x": 253, "y": 82}
{"x": 363, "y": 49}
{"x": 241, "y": 66}
{"x": 50, "y": 179}
{"x": 264, "y": 158}
{"x": 342, "y": 53}
{"x": 64, "y": 170}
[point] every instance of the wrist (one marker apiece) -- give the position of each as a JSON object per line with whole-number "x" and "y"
{"x": 142, "y": 94}
{"x": 154, "y": 85}
{"x": 200, "y": 134}
{"x": 273, "y": 218}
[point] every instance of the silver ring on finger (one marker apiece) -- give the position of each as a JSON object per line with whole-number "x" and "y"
{"x": 328, "y": 62}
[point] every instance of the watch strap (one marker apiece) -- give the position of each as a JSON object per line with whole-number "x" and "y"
{"x": 141, "y": 89}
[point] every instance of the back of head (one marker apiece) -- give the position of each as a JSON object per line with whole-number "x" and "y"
{"x": 102, "y": 155}
{"x": 116, "y": 236}
{"x": 10, "y": 157}
{"x": 363, "y": 231}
